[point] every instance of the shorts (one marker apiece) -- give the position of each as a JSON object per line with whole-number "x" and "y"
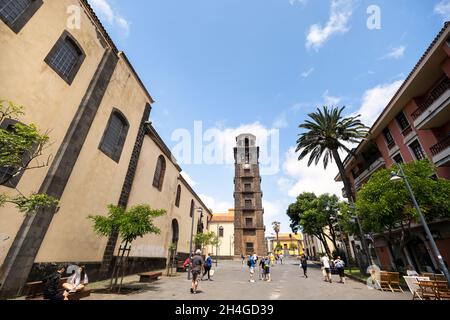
{"x": 195, "y": 274}
{"x": 252, "y": 270}
{"x": 267, "y": 270}
{"x": 327, "y": 270}
{"x": 341, "y": 272}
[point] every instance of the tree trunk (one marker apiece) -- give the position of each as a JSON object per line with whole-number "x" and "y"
{"x": 347, "y": 186}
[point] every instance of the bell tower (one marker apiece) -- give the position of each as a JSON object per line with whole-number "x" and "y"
{"x": 248, "y": 219}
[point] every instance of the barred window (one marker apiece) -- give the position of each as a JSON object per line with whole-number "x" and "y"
{"x": 388, "y": 136}
{"x": 115, "y": 135}
{"x": 10, "y": 10}
{"x": 177, "y": 199}
{"x": 16, "y": 13}
{"x": 160, "y": 170}
{"x": 398, "y": 158}
{"x": 66, "y": 57}
{"x": 221, "y": 232}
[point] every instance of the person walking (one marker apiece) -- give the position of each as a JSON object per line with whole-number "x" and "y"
{"x": 197, "y": 263}
{"x": 304, "y": 265}
{"x": 326, "y": 267}
{"x": 208, "y": 266}
{"x": 281, "y": 258}
{"x": 339, "y": 264}
{"x": 262, "y": 271}
{"x": 251, "y": 265}
{"x": 243, "y": 260}
{"x": 266, "y": 266}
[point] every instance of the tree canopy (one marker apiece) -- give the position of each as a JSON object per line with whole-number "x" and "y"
{"x": 130, "y": 224}
{"x": 20, "y": 147}
{"x": 383, "y": 205}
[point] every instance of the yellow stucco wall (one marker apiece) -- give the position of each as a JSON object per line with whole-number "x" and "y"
{"x": 96, "y": 180}
{"x": 226, "y": 245}
{"x": 144, "y": 192}
{"x": 49, "y": 101}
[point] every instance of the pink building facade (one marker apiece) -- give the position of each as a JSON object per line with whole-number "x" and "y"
{"x": 413, "y": 126}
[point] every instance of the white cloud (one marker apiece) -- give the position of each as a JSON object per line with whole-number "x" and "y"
{"x": 215, "y": 205}
{"x": 375, "y": 100}
{"x": 340, "y": 14}
{"x": 301, "y": 178}
{"x": 395, "y": 53}
{"x": 443, "y": 9}
{"x": 307, "y": 73}
{"x": 188, "y": 179}
{"x": 106, "y": 11}
{"x": 281, "y": 121}
{"x": 329, "y": 100}
{"x": 301, "y": 2}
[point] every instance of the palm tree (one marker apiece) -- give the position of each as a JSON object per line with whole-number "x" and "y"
{"x": 326, "y": 134}
{"x": 276, "y": 228}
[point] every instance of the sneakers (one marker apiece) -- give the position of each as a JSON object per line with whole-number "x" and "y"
{"x": 192, "y": 290}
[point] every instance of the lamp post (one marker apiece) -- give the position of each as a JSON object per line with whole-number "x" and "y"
{"x": 399, "y": 176}
{"x": 199, "y": 209}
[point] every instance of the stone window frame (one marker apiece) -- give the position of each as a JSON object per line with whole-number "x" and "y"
{"x": 221, "y": 232}
{"x": 13, "y": 182}
{"x": 25, "y": 16}
{"x": 117, "y": 153}
{"x": 66, "y": 36}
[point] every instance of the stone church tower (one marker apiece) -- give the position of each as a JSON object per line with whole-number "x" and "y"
{"x": 248, "y": 219}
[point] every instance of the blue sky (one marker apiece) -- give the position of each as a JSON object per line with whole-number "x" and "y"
{"x": 262, "y": 66}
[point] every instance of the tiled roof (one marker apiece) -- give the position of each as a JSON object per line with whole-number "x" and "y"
{"x": 100, "y": 26}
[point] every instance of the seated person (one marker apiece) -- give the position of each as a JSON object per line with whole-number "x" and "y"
{"x": 411, "y": 272}
{"x": 51, "y": 288}
{"x": 77, "y": 281}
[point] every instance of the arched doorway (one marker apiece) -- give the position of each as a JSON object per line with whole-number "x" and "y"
{"x": 173, "y": 248}
{"x": 419, "y": 255}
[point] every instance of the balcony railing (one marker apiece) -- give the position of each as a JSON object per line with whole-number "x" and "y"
{"x": 438, "y": 91}
{"x": 374, "y": 166}
{"x": 440, "y": 146}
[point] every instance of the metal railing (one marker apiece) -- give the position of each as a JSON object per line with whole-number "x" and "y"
{"x": 440, "y": 146}
{"x": 434, "y": 94}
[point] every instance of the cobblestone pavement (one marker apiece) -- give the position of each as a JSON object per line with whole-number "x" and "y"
{"x": 231, "y": 282}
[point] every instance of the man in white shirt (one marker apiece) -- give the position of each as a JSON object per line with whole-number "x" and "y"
{"x": 326, "y": 266}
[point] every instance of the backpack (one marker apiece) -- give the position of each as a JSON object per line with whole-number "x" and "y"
{"x": 249, "y": 263}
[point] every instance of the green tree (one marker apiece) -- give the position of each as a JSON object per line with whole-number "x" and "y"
{"x": 202, "y": 240}
{"x": 21, "y": 146}
{"x": 385, "y": 206}
{"x": 130, "y": 225}
{"x": 326, "y": 134}
{"x": 316, "y": 216}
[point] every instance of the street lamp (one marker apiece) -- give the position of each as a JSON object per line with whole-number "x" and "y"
{"x": 199, "y": 209}
{"x": 399, "y": 176}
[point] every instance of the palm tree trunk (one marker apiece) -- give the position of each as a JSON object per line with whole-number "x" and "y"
{"x": 340, "y": 165}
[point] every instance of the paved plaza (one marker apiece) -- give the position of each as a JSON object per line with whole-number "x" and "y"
{"x": 231, "y": 282}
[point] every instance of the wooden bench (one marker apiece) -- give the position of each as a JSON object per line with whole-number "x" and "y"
{"x": 149, "y": 276}
{"x": 35, "y": 291}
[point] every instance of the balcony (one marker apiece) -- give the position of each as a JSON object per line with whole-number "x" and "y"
{"x": 249, "y": 207}
{"x": 434, "y": 111}
{"x": 363, "y": 176}
{"x": 441, "y": 153}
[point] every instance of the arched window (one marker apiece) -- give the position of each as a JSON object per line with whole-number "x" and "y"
{"x": 221, "y": 232}
{"x": 115, "y": 135}
{"x": 192, "y": 208}
{"x": 175, "y": 232}
{"x": 177, "y": 199}
{"x": 66, "y": 57}
{"x": 160, "y": 171}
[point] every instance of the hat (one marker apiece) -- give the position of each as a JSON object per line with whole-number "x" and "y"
{"x": 198, "y": 251}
